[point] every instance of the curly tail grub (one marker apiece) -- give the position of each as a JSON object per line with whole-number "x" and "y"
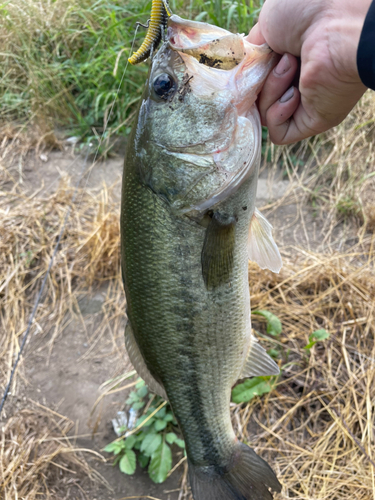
{"x": 159, "y": 12}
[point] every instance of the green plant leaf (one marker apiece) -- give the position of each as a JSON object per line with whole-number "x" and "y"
{"x": 130, "y": 442}
{"x": 169, "y": 417}
{"x": 160, "y": 425}
{"x": 142, "y": 392}
{"x": 138, "y": 405}
{"x": 121, "y": 430}
{"x": 150, "y": 443}
{"x": 128, "y": 462}
{"x": 138, "y": 445}
{"x": 180, "y": 443}
{"x": 201, "y": 16}
{"x": 110, "y": 447}
{"x": 141, "y": 434}
{"x": 246, "y": 391}
{"x": 274, "y": 353}
{"x": 319, "y": 335}
{"x": 133, "y": 397}
{"x": 161, "y": 413}
{"x": 170, "y": 437}
{"x": 140, "y": 383}
{"x": 309, "y": 345}
{"x": 116, "y": 447}
{"x": 142, "y": 419}
{"x": 274, "y": 326}
{"x": 143, "y": 460}
{"x": 161, "y": 463}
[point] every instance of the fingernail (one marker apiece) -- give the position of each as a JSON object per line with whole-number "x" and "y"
{"x": 288, "y": 95}
{"x": 283, "y": 66}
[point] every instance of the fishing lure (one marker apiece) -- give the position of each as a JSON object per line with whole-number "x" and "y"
{"x": 160, "y": 10}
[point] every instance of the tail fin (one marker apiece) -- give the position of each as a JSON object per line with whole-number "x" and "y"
{"x": 249, "y": 478}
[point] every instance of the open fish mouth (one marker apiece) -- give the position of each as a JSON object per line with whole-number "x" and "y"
{"x": 219, "y": 60}
{"x": 210, "y": 45}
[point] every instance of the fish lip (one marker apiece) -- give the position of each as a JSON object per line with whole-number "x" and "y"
{"x": 266, "y": 46}
{"x": 175, "y": 21}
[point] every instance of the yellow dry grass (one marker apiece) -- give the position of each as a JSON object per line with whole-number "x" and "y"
{"x": 335, "y": 172}
{"x": 317, "y": 426}
{"x": 320, "y": 419}
{"x": 29, "y": 228}
{"x": 38, "y": 459}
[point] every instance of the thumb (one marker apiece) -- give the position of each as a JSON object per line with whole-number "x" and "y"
{"x": 255, "y": 36}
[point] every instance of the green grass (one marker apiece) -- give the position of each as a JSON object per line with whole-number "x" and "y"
{"x": 237, "y": 16}
{"x": 61, "y": 61}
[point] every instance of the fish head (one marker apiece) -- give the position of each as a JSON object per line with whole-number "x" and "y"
{"x": 198, "y": 131}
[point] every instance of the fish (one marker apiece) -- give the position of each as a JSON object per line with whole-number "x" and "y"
{"x": 188, "y": 228}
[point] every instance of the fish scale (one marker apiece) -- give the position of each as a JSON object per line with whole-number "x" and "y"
{"x": 166, "y": 295}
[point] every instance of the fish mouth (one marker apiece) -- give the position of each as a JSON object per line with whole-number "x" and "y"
{"x": 212, "y": 46}
{"x": 219, "y": 60}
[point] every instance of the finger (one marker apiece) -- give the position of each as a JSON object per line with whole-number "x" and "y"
{"x": 284, "y": 22}
{"x": 277, "y": 83}
{"x": 255, "y": 36}
{"x": 288, "y": 122}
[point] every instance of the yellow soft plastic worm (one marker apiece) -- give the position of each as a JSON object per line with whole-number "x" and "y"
{"x": 159, "y": 11}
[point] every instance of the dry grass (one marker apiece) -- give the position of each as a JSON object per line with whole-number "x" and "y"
{"x": 39, "y": 460}
{"x": 334, "y": 172}
{"x": 321, "y": 417}
{"x": 29, "y": 228}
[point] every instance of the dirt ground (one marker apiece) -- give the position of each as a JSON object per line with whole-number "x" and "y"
{"x": 67, "y": 378}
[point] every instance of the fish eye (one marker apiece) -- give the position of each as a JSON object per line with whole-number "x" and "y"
{"x": 164, "y": 85}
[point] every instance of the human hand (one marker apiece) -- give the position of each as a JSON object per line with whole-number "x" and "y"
{"x": 324, "y": 34}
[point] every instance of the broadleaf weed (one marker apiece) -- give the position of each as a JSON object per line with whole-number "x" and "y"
{"x": 151, "y": 441}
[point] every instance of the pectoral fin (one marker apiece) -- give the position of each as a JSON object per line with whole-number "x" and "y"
{"x": 218, "y": 249}
{"x": 262, "y": 248}
{"x": 139, "y": 363}
{"x": 258, "y": 362}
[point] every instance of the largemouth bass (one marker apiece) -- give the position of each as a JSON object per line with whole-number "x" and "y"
{"x": 188, "y": 227}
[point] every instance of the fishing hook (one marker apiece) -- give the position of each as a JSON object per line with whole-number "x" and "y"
{"x": 144, "y": 25}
